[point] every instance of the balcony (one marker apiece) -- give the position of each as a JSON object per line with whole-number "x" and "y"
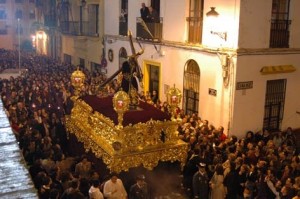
{"x": 149, "y": 31}
{"x": 76, "y": 28}
{"x": 280, "y": 33}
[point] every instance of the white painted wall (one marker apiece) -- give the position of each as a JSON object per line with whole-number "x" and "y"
{"x": 174, "y": 15}
{"x": 111, "y": 17}
{"x": 255, "y": 17}
{"x": 249, "y": 104}
{"x": 227, "y": 21}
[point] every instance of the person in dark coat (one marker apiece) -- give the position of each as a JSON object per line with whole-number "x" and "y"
{"x": 128, "y": 77}
{"x": 201, "y": 182}
{"x": 231, "y": 182}
{"x": 191, "y": 168}
{"x": 140, "y": 189}
{"x": 144, "y": 12}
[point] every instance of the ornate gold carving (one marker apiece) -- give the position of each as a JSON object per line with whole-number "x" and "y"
{"x": 134, "y": 145}
{"x": 77, "y": 80}
{"x": 174, "y": 99}
{"x": 121, "y": 104}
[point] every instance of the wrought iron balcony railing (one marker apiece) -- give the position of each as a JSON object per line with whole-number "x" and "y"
{"x": 78, "y": 28}
{"x": 150, "y": 31}
{"x": 280, "y": 33}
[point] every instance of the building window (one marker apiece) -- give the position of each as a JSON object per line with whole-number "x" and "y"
{"x": 31, "y": 14}
{"x": 19, "y": 14}
{"x": 31, "y": 1}
{"x": 280, "y": 24}
{"x": 274, "y": 104}
{"x": 2, "y": 1}
{"x": 195, "y": 21}
{"x": 92, "y": 27}
{"x": 191, "y": 85}
{"x": 19, "y": 1}
{"x": 2, "y": 14}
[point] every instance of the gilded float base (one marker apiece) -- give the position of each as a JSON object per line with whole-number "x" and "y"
{"x": 142, "y": 144}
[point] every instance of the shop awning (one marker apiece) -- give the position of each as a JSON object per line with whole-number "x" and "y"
{"x": 266, "y": 70}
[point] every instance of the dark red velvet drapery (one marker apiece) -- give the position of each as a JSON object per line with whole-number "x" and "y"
{"x": 143, "y": 114}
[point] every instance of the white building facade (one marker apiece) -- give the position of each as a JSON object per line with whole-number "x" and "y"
{"x": 239, "y": 70}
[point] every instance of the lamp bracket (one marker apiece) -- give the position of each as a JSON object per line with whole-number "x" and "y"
{"x": 222, "y": 35}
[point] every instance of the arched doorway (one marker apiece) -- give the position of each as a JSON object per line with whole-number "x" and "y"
{"x": 122, "y": 56}
{"x": 191, "y": 85}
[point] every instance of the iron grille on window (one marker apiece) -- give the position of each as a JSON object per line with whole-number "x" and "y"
{"x": 274, "y": 104}
{"x": 280, "y": 24}
{"x": 280, "y": 33}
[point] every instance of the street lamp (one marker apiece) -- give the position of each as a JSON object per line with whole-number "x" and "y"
{"x": 19, "y": 49}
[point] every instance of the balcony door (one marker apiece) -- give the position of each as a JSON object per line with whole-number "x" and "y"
{"x": 280, "y": 24}
{"x": 156, "y": 5}
{"x": 152, "y": 77}
{"x": 195, "y": 21}
{"x": 123, "y": 20}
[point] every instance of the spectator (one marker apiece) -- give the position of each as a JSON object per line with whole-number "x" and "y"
{"x": 216, "y": 183}
{"x": 114, "y": 189}
{"x": 140, "y": 189}
{"x": 144, "y": 12}
{"x": 94, "y": 191}
{"x": 201, "y": 182}
{"x": 153, "y": 15}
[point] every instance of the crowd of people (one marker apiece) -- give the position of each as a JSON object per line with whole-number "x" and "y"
{"x": 263, "y": 165}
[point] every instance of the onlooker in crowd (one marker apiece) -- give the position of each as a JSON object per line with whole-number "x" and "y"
{"x": 83, "y": 168}
{"x": 216, "y": 183}
{"x": 201, "y": 182}
{"x": 139, "y": 190}
{"x": 153, "y": 15}
{"x": 144, "y": 12}
{"x": 114, "y": 188}
{"x": 94, "y": 191}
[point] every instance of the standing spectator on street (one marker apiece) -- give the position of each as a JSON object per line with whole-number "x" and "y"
{"x": 200, "y": 182}
{"x": 114, "y": 188}
{"x": 140, "y": 189}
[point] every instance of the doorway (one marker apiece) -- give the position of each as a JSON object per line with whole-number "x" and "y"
{"x": 191, "y": 85}
{"x": 152, "y": 77}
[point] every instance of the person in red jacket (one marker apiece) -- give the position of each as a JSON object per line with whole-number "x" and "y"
{"x": 222, "y": 135}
